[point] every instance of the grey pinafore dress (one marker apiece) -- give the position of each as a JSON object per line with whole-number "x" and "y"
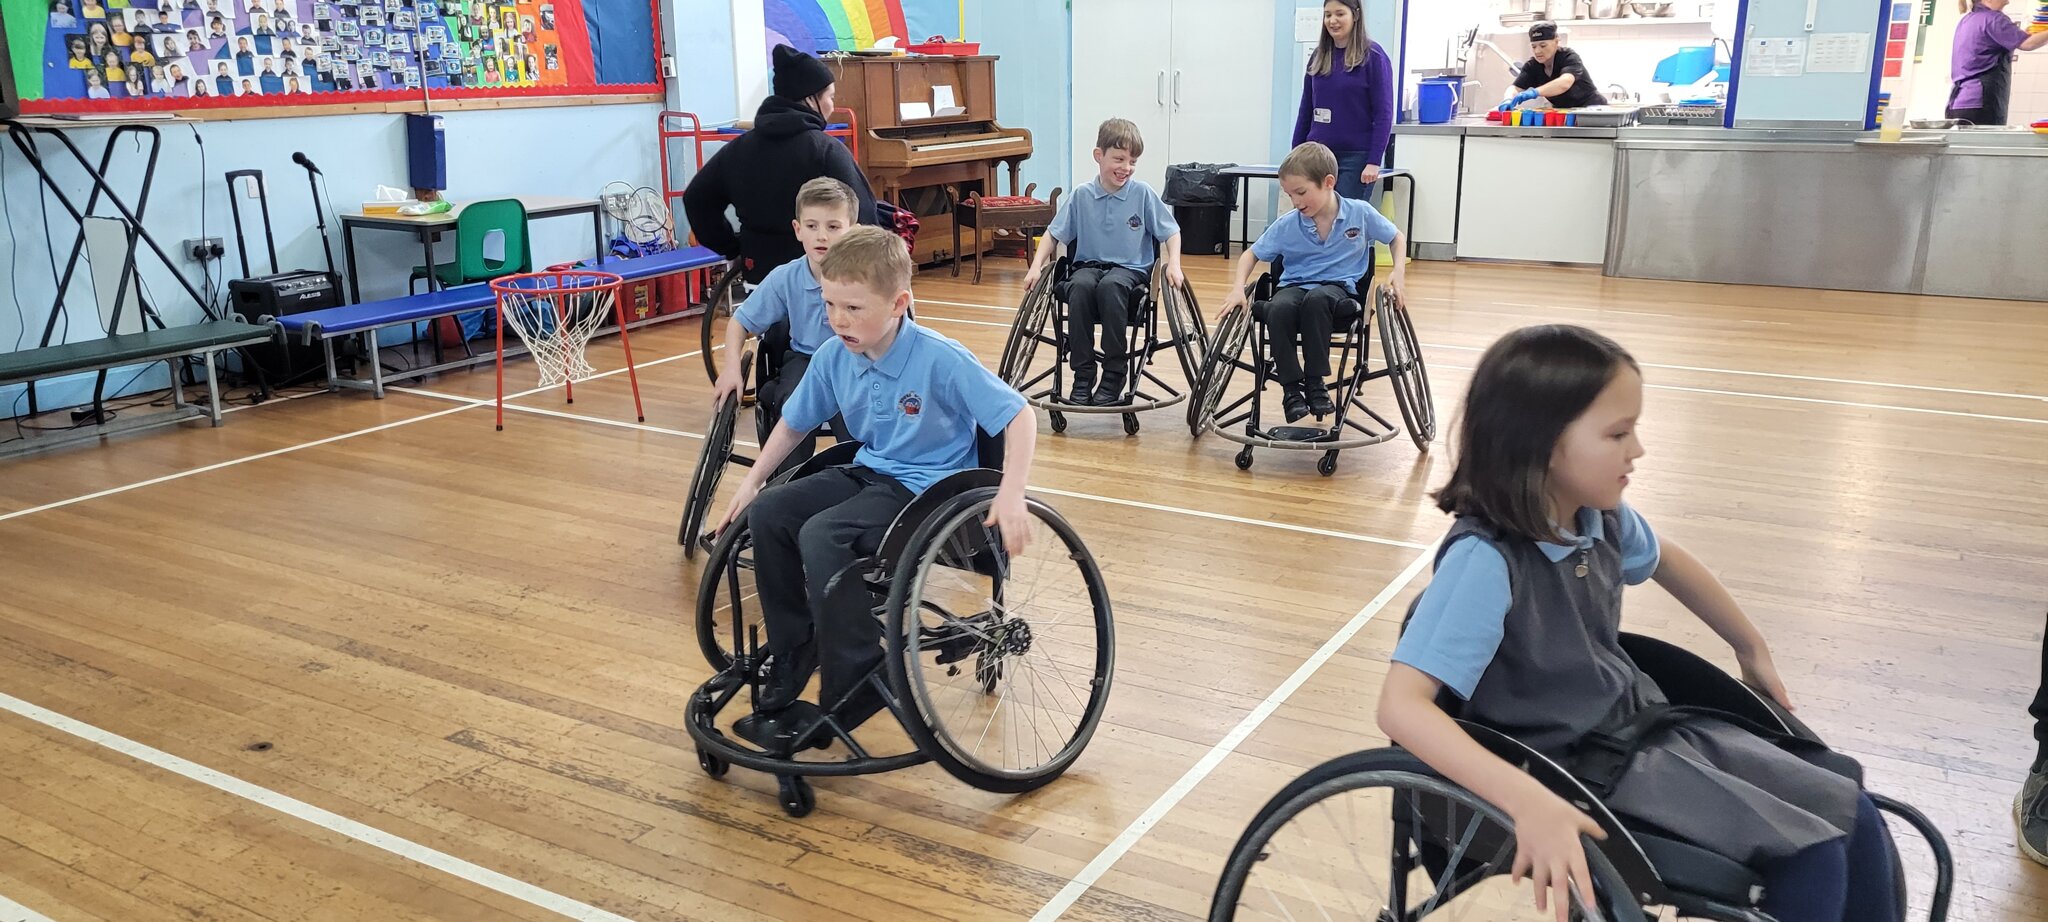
{"x": 1560, "y": 673}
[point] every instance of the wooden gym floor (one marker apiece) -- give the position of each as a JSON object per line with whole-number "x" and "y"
{"x": 357, "y": 659}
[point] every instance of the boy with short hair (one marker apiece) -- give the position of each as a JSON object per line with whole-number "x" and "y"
{"x": 1325, "y": 244}
{"x": 913, "y": 399}
{"x": 1109, "y": 224}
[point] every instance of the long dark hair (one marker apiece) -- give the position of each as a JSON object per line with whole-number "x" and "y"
{"x": 1528, "y": 387}
{"x": 1355, "y": 49}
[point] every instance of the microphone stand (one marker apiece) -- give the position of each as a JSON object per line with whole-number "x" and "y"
{"x": 320, "y": 219}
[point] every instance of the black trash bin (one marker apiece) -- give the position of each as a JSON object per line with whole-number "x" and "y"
{"x": 1204, "y": 229}
{"x": 1202, "y": 200}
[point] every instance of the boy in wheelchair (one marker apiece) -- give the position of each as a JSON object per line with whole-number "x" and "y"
{"x": 787, "y": 310}
{"x": 914, "y": 400}
{"x": 1521, "y": 625}
{"x": 1112, "y": 224}
{"x": 1325, "y": 245}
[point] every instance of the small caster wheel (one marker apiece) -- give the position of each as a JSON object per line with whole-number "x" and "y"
{"x": 1059, "y": 421}
{"x": 795, "y": 794}
{"x": 988, "y": 671}
{"x": 1130, "y": 424}
{"x": 711, "y": 764}
{"x": 1244, "y": 460}
{"x": 1328, "y": 464}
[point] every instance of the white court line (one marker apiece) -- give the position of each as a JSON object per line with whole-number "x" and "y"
{"x": 11, "y": 911}
{"x": 1090, "y": 497}
{"x": 1116, "y": 849}
{"x": 1698, "y": 368}
{"x": 299, "y": 809}
{"x": 469, "y": 405}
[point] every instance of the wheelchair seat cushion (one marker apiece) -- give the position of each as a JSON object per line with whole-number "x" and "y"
{"x": 1697, "y": 871}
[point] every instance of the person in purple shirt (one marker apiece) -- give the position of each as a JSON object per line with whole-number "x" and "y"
{"x": 1347, "y": 98}
{"x": 1982, "y": 65}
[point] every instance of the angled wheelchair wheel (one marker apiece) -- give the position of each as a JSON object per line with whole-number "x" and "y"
{"x": 725, "y": 298}
{"x": 728, "y": 607}
{"x": 1015, "y": 366}
{"x": 1232, "y": 329}
{"x": 1003, "y": 663}
{"x": 1406, "y": 370}
{"x": 711, "y": 464}
{"x": 1377, "y": 835}
{"x": 1190, "y": 338}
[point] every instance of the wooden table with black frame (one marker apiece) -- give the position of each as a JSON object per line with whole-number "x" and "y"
{"x": 429, "y": 228}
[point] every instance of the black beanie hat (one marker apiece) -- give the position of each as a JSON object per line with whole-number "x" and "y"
{"x": 798, "y": 75}
{"x": 1543, "y": 32}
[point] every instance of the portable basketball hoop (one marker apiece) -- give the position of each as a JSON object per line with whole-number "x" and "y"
{"x": 555, "y": 313}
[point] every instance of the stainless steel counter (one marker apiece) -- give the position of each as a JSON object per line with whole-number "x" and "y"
{"x": 1937, "y": 212}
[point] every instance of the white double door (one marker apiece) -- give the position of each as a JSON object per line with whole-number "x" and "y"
{"x": 1195, "y": 75}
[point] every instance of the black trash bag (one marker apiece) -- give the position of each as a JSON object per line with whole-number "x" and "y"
{"x": 1201, "y": 184}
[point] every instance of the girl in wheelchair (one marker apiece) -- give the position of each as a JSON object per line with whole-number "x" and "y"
{"x": 914, "y": 399}
{"x": 1325, "y": 245}
{"x": 1521, "y": 624}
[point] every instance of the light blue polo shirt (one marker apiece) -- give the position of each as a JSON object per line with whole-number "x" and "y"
{"x": 1460, "y": 619}
{"x": 1121, "y": 227}
{"x": 789, "y": 292}
{"x": 914, "y": 412}
{"x": 1344, "y": 258}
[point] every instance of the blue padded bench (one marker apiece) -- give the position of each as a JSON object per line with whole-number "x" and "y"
{"x": 365, "y": 319}
{"x": 205, "y": 339}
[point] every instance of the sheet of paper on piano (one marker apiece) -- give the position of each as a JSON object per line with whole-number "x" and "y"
{"x": 942, "y": 103}
{"x": 911, "y": 111}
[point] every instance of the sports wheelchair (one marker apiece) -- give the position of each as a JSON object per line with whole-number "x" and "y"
{"x": 1401, "y": 363}
{"x": 1033, "y": 632}
{"x": 1046, "y": 303}
{"x": 1312, "y": 851}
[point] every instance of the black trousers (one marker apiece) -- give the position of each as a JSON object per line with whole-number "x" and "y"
{"x": 2040, "y": 709}
{"x": 1101, "y": 296}
{"x": 788, "y": 374}
{"x": 1302, "y": 317}
{"x": 805, "y": 532}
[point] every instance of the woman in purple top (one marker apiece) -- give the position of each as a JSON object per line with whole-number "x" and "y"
{"x": 1982, "y": 65}
{"x": 1347, "y": 98}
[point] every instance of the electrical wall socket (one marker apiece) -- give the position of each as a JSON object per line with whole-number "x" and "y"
{"x": 251, "y": 188}
{"x": 202, "y": 249}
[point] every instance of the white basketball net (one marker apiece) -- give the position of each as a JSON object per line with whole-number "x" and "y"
{"x": 556, "y": 317}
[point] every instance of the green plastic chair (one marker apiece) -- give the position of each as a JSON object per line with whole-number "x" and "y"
{"x": 473, "y": 227}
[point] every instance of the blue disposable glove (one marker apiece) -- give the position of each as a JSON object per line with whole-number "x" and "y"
{"x": 1520, "y": 98}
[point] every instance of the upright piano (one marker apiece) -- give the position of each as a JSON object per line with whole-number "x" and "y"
{"x": 923, "y": 163}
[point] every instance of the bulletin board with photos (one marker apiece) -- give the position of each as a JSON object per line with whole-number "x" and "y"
{"x": 124, "y": 55}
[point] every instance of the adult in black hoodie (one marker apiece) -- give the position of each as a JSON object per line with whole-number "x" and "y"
{"x": 758, "y": 173}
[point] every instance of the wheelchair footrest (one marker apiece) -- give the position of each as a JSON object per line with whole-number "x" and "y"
{"x": 1298, "y": 434}
{"x": 776, "y": 732}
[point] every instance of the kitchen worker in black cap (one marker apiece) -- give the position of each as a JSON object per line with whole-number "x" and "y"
{"x": 758, "y": 173}
{"x": 1554, "y": 74}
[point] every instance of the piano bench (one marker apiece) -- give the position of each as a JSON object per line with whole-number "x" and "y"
{"x": 1021, "y": 213}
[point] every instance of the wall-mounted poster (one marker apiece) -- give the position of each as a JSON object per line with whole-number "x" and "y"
{"x": 164, "y": 54}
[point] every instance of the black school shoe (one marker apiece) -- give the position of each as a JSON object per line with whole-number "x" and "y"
{"x": 2030, "y": 814}
{"x": 1083, "y": 392}
{"x": 1318, "y": 398}
{"x": 1295, "y": 404}
{"x": 784, "y": 678}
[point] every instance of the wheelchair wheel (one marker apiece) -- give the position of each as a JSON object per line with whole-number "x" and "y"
{"x": 1410, "y": 377}
{"x": 711, "y": 464}
{"x": 725, "y": 297}
{"x": 728, "y": 607}
{"x": 1024, "y": 333}
{"x": 1377, "y": 835}
{"x": 1039, "y": 625}
{"x": 1232, "y": 329}
{"x": 1184, "y": 321}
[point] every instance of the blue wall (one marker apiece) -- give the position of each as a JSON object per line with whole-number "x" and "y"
{"x": 1034, "y": 79}
{"x": 491, "y": 153}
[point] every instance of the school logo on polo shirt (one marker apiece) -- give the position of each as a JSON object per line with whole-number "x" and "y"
{"x": 1351, "y": 233}
{"x": 910, "y": 404}
{"x": 1136, "y": 223}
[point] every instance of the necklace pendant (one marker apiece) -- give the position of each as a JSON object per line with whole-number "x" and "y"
{"x": 1580, "y": 571}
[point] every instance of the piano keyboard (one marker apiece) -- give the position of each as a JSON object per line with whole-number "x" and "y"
{"x": 956, "y": 145}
